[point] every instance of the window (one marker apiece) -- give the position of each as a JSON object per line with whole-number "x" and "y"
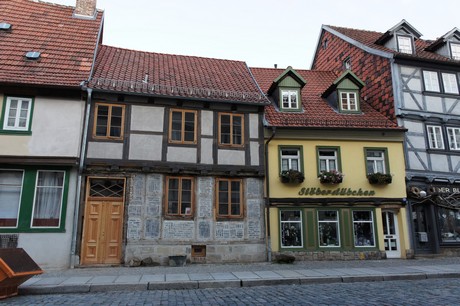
{"x": 348, "y": 101}
{"x": 48, "y": 198}
{"x": 291, "y": 228}
{"x": 17, "y": 114}
{"x": 289, "y": 99}
{"x": 405, "y": 44}
{"x": 182, "y": 126}
{"x": 449, "y": 222}
{"x": 455, "y": 51}
{"x": 328, "y": 159}
{"x": 449, "y": 82}
{"x": 363, "y": 229}
{"x": 10, "y": 196}
{"x": 375, "y": 161}
{"x": 328, "y": 228}
{"x": 347, "y": 63}
{"x": 229, "y": 198}
{"x": 109, "y": 121}
{"x": 431, "y": 81}
{"x": 290, "y": 159}
{"x": 231, "y": 129}
{"x": 179, "y": 196}
{"x": 454, "y": 138}
{"x": 435, "y": 139}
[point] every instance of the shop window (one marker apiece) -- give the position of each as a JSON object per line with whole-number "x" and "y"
{"x": 17, "y": 114}
{"x": 179, "y": 196}
{"x": 435, "y": 139}
{"x": 10, "y": 196}
{"x": 48, "y": 198}
{"x": 182, "y": 126}
{"x": 290, "y": 158}
{"x": 328, "y": 228}
{"x": 229, "y": 198}
{"x": 449, "y": 223}
{"x": 231, "y": 128}
{"x": 109, "y": 121}
{"x": 363, "y": 229}
{"x": 454, "y": 138}
{"x": 291, "y": 228}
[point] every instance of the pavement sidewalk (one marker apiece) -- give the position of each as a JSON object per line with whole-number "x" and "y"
{"x": 200, "y": 276}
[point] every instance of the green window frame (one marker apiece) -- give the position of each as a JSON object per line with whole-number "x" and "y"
{"x": 37, "y": 190}
{"x": 287, "y": 159}
{"x": 324, "y": 157}
{"x": 16, "y": 115}
{"x": 349, "y": 101}
{"x": 290, "y": 99}
{"x": 375, "y": 163}
{"x": 291, "y": 223}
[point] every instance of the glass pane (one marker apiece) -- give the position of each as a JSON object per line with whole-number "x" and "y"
{"x": 449, "y": 223}
{"x": 287, "y": 215}
{"x": 291, "y": 234}
{"x": 102, "y": 120}
{"x": 285, "y": 99}
{"x": 325, "y": 215}
{"x": 328, "y": 234}
{"x": 10, "y": 197}
{"x": 48, "y": 198}
{"x": 225, "y": 129}
{"x": 189, "y": 127}
{"x": 362, "y": 216}
{"x": 237, "y": 130}
{"x": 116, "y": 121}
{"x": 176, "y": 126}
{"x": 284, "y": 164}
{"x": 363, "y": 234}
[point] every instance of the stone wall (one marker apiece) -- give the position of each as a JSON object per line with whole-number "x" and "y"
{"x": 333, "y": 255}
{"x": 150, "y": 235}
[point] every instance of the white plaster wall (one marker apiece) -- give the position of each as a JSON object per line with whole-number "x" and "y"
{"x": 51, "y": 251}
{"x": 207, "y": 123}
{"x": 415, "y": 163}
{"x": 434, "y": 104}
{"x": 254, "y": 147}
{"x": 105, "y": 150}
{"x": 450, "y": 102}
{"x": 230, "y": 157}
{"x": 439, "y": 162}
{"x": 206, "y": 151}
{"x": 147, "y": 118}
{"x": 410, "y": 103}
{"x": 145, "y": 147}
{"x": 185, "y": 155}
{"x": 414, "y": 126}
{"x": 253, "y": 125}
{"x": 56, "y": 129}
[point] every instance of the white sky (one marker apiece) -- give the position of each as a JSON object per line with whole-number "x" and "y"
{"x": 260, "y": 32}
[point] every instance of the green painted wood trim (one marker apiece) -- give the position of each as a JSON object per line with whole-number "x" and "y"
{"x": 347, "y": 230}
{"x": 289, "y": 82}
{"x": 311, "y": 229}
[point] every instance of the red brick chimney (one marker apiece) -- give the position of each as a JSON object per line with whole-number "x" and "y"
{"x": 85, "y": 8}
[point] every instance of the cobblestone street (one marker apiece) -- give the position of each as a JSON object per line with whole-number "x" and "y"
{"x": 424, "y": 292}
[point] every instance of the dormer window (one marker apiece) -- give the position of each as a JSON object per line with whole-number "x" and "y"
{"x": 455, "y": 51}
{"x": 290, "y": 99}
{"x": 348, "y": 101}
{"x": 405, "y": 44}
{"x": 343, "y": 94}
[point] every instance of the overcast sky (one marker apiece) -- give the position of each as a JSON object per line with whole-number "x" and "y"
{"x": 260, "y": 32}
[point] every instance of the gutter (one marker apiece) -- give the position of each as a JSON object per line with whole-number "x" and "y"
{"x": 73, "y": 246}
{"x": 267, "y": 195}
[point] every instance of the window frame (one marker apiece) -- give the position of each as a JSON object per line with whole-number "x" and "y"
{"x": 372, "y": 222}
{"x": 20, "y": 196}
{"x": 182, "y": 131}
{"x": 443, "y": 73}
{"x": 348, "y": 109}
{"x": 400, "y": 37}
{"x": 429, "y": 140}
{"x": 5, "y": 113}
{"x": 231, "y": 144}
{"x": 107, "y": 135}
{"x": 337, "y": 222}
{"x": 337, "y": 158}
{"x": 302, "y": 229}
{"x": 300, "y": 157}
{"x": 229, "y": 216}
{"x": 449, "y": 138}
{"x": 298, "y": 102}
{"x": 425, "y": 79}
{"x": 179, "y": 215}
{"x": 385, "y": 159}
{"x": 452, "y": 52}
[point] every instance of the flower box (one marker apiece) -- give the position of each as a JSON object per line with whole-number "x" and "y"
{"x": 330, "y": 177}
{"x": 292, "y": 177}
{"x": 379, "y": 178}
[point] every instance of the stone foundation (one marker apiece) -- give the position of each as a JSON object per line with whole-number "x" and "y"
{"x": 334, "y": 255}
{"x": 450, "y": 252}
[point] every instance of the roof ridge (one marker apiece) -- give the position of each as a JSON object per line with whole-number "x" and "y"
{"x": 354, "y": 29}
{"x": 54, "y": 4}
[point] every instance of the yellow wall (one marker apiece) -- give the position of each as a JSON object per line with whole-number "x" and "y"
{"x": 352, "y": 164}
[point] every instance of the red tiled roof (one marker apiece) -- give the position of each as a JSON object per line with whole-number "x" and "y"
{"x": 66, "y": 44}
{"x": 123, "y": 70}
{"x": 316, "y": 111}
{"x": 369, "y": 38}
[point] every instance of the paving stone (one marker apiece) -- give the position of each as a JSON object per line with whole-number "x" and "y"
{"x": 288, "y": 273}
{"x": 177, "y": 277}
{"x": 219, "y": 284}
{"x": 246, "y": 275}
{"x": 76, "y": 280}
{"x": 127, "y": 279}
{"x": 267, "y": 274}
{"x": 223, "y": 276}
{"x": 103, "y": 279}
{"x": 49, "y": 281}
{"x": 200, "y": 276}
{"x": 311, "y": 273}
{"x": 153, "y": 278}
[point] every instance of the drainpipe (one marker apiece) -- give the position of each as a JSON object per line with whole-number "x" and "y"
{"x": 267, "y": 198}
{"x": 73, "y": 257}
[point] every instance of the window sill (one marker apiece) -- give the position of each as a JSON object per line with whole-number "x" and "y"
{"x": 18, "y": 133}
{"x": 440, "y": 94}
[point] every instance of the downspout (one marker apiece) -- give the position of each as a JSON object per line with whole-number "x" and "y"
{"x": 267, "y": 198}
{"x": 73, "y": 257}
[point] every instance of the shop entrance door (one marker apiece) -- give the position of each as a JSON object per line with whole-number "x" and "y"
{"x": 390, "y": 234}
{"x": 103, "y": 223}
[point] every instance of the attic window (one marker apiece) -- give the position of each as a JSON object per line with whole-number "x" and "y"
{"x": 405, "y": 44}
{"x": 33, "y": 55}
{"x": 5, "y": 26}
{"x": 347, "y": 63}
{"x": 455, "y": 51}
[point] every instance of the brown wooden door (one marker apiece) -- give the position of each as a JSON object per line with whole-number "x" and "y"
{"x": 103, "y": 225}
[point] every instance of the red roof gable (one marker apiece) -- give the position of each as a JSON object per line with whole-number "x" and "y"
{"x": 369, "y": 38}
{"x": 138, "y": 72}
{"x": 67, "y": 44}
{"x": 316, "y": 112}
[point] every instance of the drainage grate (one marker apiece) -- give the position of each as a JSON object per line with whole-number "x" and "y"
{"x": 8, "y": 241}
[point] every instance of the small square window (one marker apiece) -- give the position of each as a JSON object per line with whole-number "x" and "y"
{"x": 455, "y": 51}
{"x": 431, "y": 81}
{"x": 290, "y": 159}
{"x": 405, "y": 44}
{"x": 18, "y": 112}
{"x": 435, "y": 139}
{"x": 449, "y": 81}
{"x": 348, "y": 101}
{"x": 290, "y": 99}
{"x": 454, "y": 138}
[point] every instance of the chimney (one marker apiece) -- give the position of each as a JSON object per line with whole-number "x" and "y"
{"x": 85, "y": 9}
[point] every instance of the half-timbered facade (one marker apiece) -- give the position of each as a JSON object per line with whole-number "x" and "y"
{"x": 45, "y": 57}
{"x": 174, "y": 161}
{"x": 415, "y": 82}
